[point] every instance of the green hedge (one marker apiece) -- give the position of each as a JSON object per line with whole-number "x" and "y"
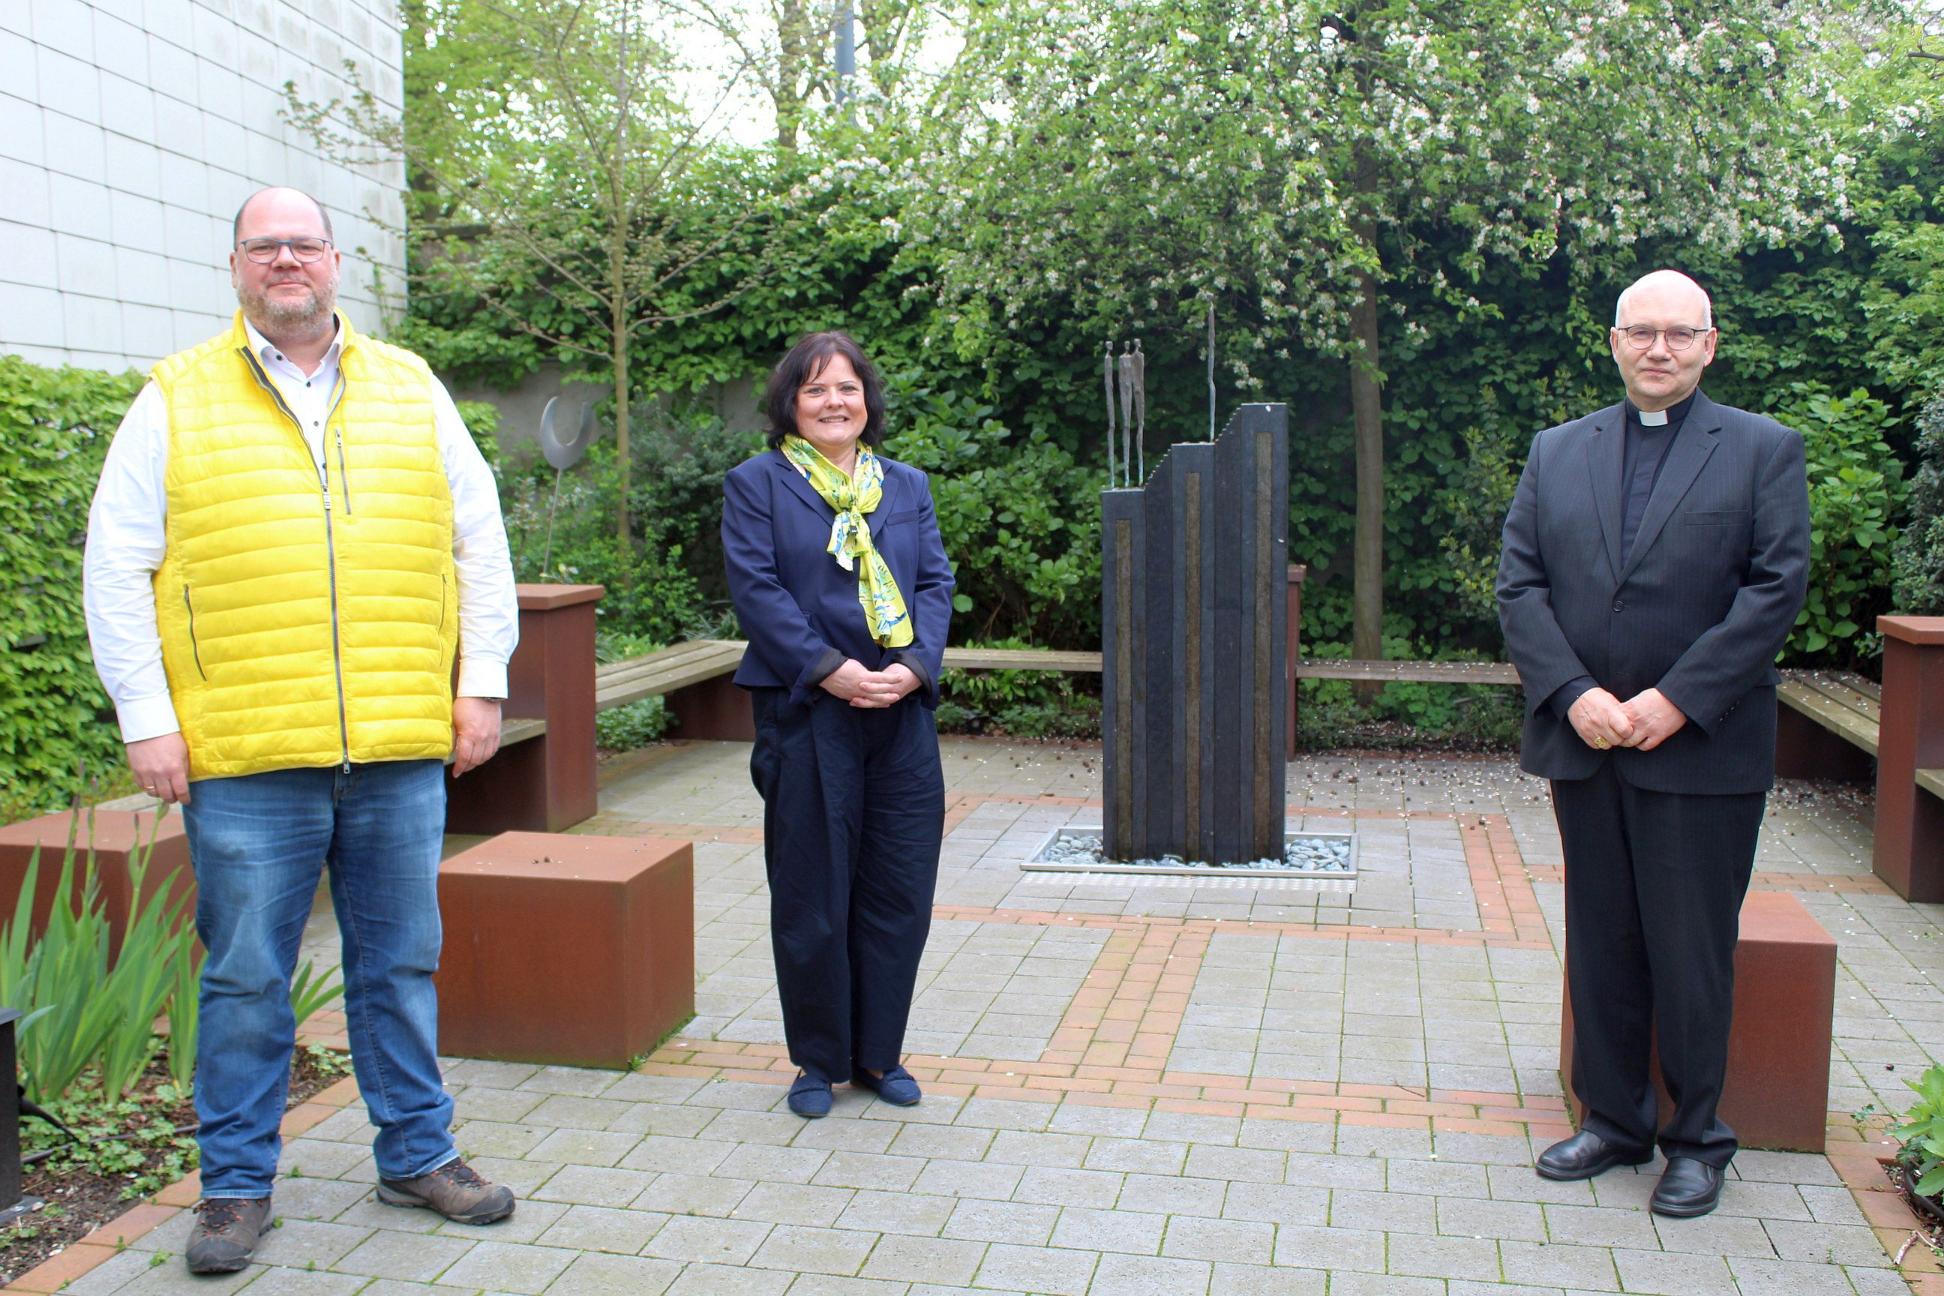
{"x": 57, "y": 731}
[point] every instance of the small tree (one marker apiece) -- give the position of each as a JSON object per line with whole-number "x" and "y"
{"x": 556, "y": 175}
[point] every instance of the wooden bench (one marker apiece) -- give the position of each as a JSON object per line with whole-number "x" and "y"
{"x": 694, "y": 678}
{"x": 1826, "y": 725}
{"x": 1776, "y": 1094}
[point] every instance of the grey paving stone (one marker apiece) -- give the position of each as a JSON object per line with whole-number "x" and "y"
{"x": 692, "y": 1194}
{"x": 944, "y": 1261}
{"x": 790, "y": 1203}
{"x": 897, "y": 1212}
{"x": 603, "y": 1228}
{"x": 1362, "y": 1284}
{"x": 1383, "y": 1212}
{"x": 406, "y": 1256}
{"x": 302, "y": 1244}
{"x": 1600, "y": 1226}
{"x": 1319, "y": 1171}
{"x": 1843, "y": 1244}
{"x": 1542, "y": 1265}
{"x": 1137, "y": 1155}
{"x": 615, "y": 1275}
{"x": 1470, "y": 1217}
{"x": 1052, "y": 1270}
{"x": 1014, "y": 1223}
{"x": 945, "y": 1178}
{"x": 508, "y": 1267}
{"x": 1259, "y": 1165}
{"x": 964, "y": 1144}
{"x": 593, "y": 1186}
{"x": 303, "y": 1282}
{"x": 1277, "y": 1204}
{"x": 711, "y": 1241}
{"x": 1238, "y": 1241}
{"x": 1256, "y": 1280}
{"x": 727, "y": 1280}
{"x": 1061, "y": 1187}
{"x": 801, "y": 1248}
{"x": 1719, "y": 1235}
{"x": 1132, "y": 1231}
{"x": 1119, "y": 1274}
{"x": 1443, "y": 1257}
{"x": 759, "y": 1162}
{"x": 1335, "y": 1249}
{"x": 868, "y": 1170}
{"x": 1659, "y": 1273}
{"x": 1756, "y": 1277}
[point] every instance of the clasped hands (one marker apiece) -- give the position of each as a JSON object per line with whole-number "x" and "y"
{"x": 1643, "y": 722}
{"x": 869, "y": 688}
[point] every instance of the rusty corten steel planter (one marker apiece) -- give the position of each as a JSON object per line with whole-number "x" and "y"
{"x": 1776, "y": 1094}
{"x": 577, "y": 950}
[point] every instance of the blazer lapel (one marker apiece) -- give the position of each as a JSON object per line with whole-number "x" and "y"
{"x": 801, "y": 488}
{"x": 1605, "y": 456}
{"x": 888, "y": 503}
{"x": 1685, "y": 459}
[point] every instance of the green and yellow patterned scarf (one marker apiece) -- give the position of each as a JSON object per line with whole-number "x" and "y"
{"x": 850, "y": 536}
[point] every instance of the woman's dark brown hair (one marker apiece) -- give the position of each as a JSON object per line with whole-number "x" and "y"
{"x": 803, "y": 363}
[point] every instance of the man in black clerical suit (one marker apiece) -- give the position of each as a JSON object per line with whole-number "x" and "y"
{"x": 1655, "y": 556}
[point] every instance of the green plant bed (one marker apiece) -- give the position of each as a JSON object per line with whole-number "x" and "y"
{"x": 1409, "y": 715}
{"x": 131, "y": 1147}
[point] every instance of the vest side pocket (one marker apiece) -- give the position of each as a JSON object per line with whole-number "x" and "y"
{"x": 195, "y": 650}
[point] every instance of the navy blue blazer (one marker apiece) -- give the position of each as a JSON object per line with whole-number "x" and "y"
{"x": 1698, "y": 609}
{"x": 798, "y": 607}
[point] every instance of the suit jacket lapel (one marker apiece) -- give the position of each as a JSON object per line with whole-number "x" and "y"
{"x": 887, "y": 504}
{"x": 1685, "y": 459}
{"x": 801, "y": 488}
{"x": 1605, "y": 457}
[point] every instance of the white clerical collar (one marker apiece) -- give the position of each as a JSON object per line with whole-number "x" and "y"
{"x": 1652, "y": 418}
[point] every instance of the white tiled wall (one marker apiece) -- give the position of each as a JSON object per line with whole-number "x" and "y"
{"x": 130, "y": 130}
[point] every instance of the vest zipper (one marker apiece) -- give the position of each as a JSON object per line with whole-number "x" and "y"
{"x": 195, "y": 650}
{"x": 330, "y": 542}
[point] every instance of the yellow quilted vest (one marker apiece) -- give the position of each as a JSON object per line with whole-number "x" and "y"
{"x": 305, "y": 622}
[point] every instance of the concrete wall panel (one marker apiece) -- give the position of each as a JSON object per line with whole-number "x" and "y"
{"x": 130, "y": 130}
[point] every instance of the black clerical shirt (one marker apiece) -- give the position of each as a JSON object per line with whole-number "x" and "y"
{"x": 1644, "y": 456}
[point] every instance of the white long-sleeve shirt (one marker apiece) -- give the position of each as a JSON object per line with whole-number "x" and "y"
{"x": 127, "y": 540}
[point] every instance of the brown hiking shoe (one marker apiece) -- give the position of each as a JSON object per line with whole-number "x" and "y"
{"x": 455, "y": 1190}
{"x": 226, "y": 1232}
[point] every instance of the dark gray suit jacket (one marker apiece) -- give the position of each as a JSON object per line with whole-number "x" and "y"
{"x": 1698, "y": 609}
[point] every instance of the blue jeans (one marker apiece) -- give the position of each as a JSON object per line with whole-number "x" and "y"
{"x": 257, "y": 842}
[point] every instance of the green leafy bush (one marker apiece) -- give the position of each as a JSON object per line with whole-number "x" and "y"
{"x": 1855, "y": 487}
{"x": 1922, "y": 1133}
{"x": 1019, "y": 703}
{"x": 1917, "y": 567}
{"x": 57, "y": 729}
{"x": 637, "y": 724}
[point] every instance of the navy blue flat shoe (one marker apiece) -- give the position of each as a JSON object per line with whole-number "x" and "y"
{"x": 895, "y": 1086}
{"x": 810, "y": 1096}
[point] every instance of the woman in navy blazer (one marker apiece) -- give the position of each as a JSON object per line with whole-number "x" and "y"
{"x": 843, "y": 679}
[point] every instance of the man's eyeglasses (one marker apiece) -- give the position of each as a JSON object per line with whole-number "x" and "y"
{"x": 1679, "y": 338}
{"x": 264, "y": 250}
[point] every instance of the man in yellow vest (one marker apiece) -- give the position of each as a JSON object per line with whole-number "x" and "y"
{"x": 293, "y": 537}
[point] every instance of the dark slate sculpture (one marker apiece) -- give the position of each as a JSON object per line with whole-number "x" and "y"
{"x": 1195, "y": 622}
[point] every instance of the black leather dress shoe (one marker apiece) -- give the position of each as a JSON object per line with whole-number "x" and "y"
{"x": 1687, "y": 1188}
{"x": 1585, "y": 1155}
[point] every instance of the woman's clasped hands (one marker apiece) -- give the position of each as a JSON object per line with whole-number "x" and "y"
{"x": 868, "y": 688}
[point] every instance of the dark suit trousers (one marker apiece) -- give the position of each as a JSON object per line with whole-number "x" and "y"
{"x": 1654, "y": 888}
{"x": 853, "y": 817}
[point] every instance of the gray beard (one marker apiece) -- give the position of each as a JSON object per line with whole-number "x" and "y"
{"x": 275, "y": 316}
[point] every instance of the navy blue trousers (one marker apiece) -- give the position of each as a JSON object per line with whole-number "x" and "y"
{"x": 1654, "y": 889}
{"x": 853, "y": 815}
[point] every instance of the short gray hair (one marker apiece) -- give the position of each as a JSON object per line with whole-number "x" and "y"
{"x": 236, "y": 223}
